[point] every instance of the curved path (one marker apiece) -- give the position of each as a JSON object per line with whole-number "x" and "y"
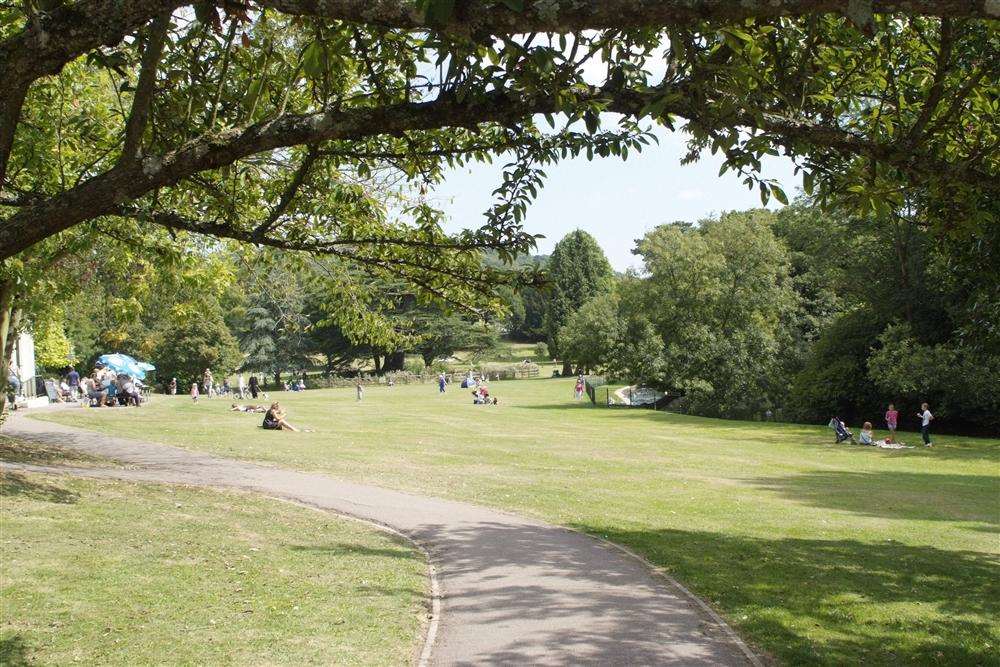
{"x": 512, "y": 590}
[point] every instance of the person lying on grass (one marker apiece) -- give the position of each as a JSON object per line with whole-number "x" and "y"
{"x": 275, "y": 420}
{"x": 247, "y": 408}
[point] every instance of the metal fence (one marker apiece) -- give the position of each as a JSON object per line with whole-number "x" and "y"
{"x": 495, "y": 375}
{"x": 601, "y": 393}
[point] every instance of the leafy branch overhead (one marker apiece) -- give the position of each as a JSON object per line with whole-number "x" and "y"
{"x": 324, "y": 126}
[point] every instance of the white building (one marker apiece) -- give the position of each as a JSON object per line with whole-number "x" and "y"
{"x": 23, "y": 363}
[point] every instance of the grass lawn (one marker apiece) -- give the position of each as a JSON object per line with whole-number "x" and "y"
{"x": 817, "y": 553}
{"x": 103, "y": 572}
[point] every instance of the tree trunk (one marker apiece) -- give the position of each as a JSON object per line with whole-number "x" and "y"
{"x": 428, "y": 358}
{"x": 6, "y": 313}
{"x": 277, "y": 380}
{"x": 394, "y": 361}
{"x": 378, "y": 363}
{"x": 567, "y": 369}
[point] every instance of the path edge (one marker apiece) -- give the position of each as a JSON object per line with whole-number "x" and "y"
{"x": 429, "y": 629}
{"x": 752, "y": 656}
{"x": 756, "y": 658}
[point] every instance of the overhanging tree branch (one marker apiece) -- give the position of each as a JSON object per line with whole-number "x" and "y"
{"x": 145, "y": 87}
{"x": 69, "y": 31}
{"x": 123, "y": 183}
{"x": 288, "y": 194}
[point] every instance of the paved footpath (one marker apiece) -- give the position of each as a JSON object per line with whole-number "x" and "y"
{"x": 512, "y": 590}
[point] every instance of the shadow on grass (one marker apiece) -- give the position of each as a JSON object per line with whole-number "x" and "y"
{"x": 13, "y": 652}
{"x": 14, "y": 484}
{"x": 344, "y": 549}
{"x": 37, "y": 452}
{"x": 895, "y": 495}
{"x": 813, "y": 601}
{"x": 951, "y": 447}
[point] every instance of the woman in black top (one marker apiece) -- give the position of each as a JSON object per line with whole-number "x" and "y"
{"x": 254, "y": 386}
{"x": 274, "y": 419}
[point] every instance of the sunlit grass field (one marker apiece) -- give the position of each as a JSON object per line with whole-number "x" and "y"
{"x": 816, "y": 553}
{"x": 104, "y": 572}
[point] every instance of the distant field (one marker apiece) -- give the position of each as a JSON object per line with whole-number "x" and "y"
{"x": 102, "y": 572}
{"x": 820, "y": 554}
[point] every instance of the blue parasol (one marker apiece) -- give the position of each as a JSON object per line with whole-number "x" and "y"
{"x": 122, "y": 363}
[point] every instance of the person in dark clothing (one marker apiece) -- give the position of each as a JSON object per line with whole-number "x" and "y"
{"x": 274, "y": 419}
{"x": 73, "y": 380}
{"x": 254, "y": 386}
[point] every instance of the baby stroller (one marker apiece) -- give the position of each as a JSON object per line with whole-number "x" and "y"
{"x": 841, "y": 431}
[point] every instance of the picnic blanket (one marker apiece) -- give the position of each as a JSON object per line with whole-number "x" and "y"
{"x": 892, "y": 445}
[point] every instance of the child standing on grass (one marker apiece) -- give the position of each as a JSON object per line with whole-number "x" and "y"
{"x": 925, "y": 424}
{"x": 360, "y": 388}
{"x": 891, "y": 420}
{"x": 194, "y": 392}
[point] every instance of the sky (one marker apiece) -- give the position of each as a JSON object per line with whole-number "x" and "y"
{"x": 616, "y": 201}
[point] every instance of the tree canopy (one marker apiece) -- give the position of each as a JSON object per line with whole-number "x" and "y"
{"x": 577, "y": 271}
{"x": 321, "y": 126}
{"x": 268, "y": 122}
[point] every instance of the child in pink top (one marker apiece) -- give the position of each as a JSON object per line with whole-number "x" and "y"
{"x": 891, "y": 419}
{"x": 194, "y": 392}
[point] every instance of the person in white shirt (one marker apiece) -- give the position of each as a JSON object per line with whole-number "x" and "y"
{"x": 925, "y": 424}
{"x": 241, "y": 387}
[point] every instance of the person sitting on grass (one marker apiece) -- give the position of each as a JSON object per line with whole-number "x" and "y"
{"x": 130, "y": 391}
{"x": 274, "y": 419}
{"x": 866, "y": 436}
{"x": 111, "y": 386}
{"x": 95, "y": 393}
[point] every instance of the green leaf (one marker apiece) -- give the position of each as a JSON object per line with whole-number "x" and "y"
{"x": 779, "y": 194}
{"x": 436, "y": 11}
{"x": 514, "y": 5}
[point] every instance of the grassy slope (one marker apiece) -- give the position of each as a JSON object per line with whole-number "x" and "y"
{"x": 818, "y": 553}
{"x": 103, "y": 572}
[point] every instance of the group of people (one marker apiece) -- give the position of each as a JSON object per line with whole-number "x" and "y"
{"x": 209, "y": 388}
{"x": 867, "y": 435}
{"x": 103, "y": 388}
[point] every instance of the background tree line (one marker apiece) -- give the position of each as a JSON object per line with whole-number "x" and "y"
{"x": 270, "y": 313}
{"x": 802, "y": 312}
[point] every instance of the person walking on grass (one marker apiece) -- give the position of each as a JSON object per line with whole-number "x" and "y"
{"x": 194, "y": 392}
{"x": 241, "y": 387}
{"x": 208, "y": 382}
{"x": 891, "y": 421}
{"x": 254, "y": 386}
{"x": 925, "y": 424}
{"x": 360, "y": 388}
{"x": 441, "y": 383}
{"x": 580, "y": 386}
